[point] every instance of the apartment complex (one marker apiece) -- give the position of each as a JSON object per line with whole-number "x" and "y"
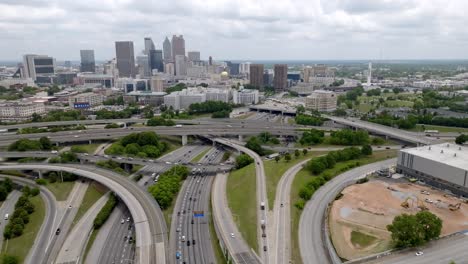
{"x": 18, "y": 110}
{"x": 256, "y": 75}
{"x": 322, "y": 101}
{"x": 85, "y": 100}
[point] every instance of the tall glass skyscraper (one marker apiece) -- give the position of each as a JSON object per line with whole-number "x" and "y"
{"x": 88, "y": 63}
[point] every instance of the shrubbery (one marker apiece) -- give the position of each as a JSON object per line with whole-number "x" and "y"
{"x": 312, "y": 137}
{"x": 349, "y": 137}
{"x": 144, "y": 144}
{"x": 309, "y": 120}
{"x": 243, "y": 160}
{"x": 30, "y": 145}
{"x": 105, "y": 212}
{"x": 210, "y": 107}
{"x": 168, "y": 185}
{"x": 65, "y": 157}
{"x": 159, "y": 121}
{"x": 20, "y": 217}
{"x": 111, "y": 165}
{"x": 254, "y": 144}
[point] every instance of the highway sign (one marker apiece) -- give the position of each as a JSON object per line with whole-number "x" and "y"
{"x": 198, "y": 214}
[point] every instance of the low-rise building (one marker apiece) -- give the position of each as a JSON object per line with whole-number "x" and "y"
{"x": 245, "y": 96}
{"x": 322, "y": 101}
{"x": 20, "y": 110}
{"x": 85, "y": 100}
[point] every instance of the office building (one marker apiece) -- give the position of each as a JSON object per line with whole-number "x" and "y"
{"x": 178, "y": 46}
{"x": 193, "y": 56}
{"x": 280, "y": 79}
{"x": 85, "y": 100}
{"x": 244, "y": 68}
{"x": 149, "y": 45}
{"x": 256, "y": 75}
{"x": 319, "y": 75}
{"x": 210, "y": 61}
{"x": 145, "y": 98}
{"x": 129, "y": 85}
{"x": 167, "y": 50}
{"x": 180, "y": 65}
{"x": 268, "y": 78}
{"x": 195, "y": 71}
{"x": 169, "y": 68}
{"x": 183, "y": 99}
{"x": 156, "y": 60}
{"x": 125, "y": 58}
{"x": 143, "y": 66}
{"x": 40, "y": 68}
{"x": 444, "y": 166}
{"x": 322, "y": 101}
{"x": 102, "y": 80}
{"x": 87, "y": 61}
{"x": 20, "y": 110}
{"x": 157, "y": 84}
{"x": 245, "y": 96}
{"x": 234, "y": 68}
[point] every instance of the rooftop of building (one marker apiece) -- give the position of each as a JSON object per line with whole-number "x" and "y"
{"x": 447, "y": 153}
{"x": 146, "y": 93}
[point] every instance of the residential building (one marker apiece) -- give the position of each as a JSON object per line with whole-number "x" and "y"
{"x": 149, "y": 45}
{"x": 167, "y": 50}
{"x": 85, "y": 100}
{"x": 256, "y": 75}
{"x": 180, "y": 65}
{"x": 88, "y": 63}
{"x": 156, "y": 60}
{"x": 280, "y": 79}
{"x": 178, "y": 46}
{"x": 322, "y": 101}
{"x": 40, "y": 68}
{"x": 20, "y": 110}
{"x": 193, "y": 56}
{"x": 444, "y": 166}
{"x": 245, "y": 96}
{"x": 125, "y": 58}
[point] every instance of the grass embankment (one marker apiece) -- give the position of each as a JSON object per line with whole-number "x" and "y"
{"x": 361, "y": 240}
{"x": 61, "y": 190}
{"x": 174, "y": 142}
{"x": 90, "y": 242}
{"x": 20, "y": 246}
{"x": 201, "y": 155}
{"x": 304, "y": 176}
{"x": 93, "y": 193}
{"x": 220, "y": 259}
{"x": 242, "y": 200}
{"x": 274, "y": 170}
{"x": 442, "y": 129}
{"x": 88, "y": 148}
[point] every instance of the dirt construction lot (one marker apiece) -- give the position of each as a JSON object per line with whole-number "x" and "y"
{"x": 358, "y": 220}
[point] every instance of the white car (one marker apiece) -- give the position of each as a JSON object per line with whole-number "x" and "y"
{"x": 122, "y": 221}
{"x": 419, "y": 253}
{"x": 232, "y": 235}
{"x": 168, "y": 163}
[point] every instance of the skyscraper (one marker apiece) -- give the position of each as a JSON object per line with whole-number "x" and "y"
{"x": 193, "y": 55}
{"x": 156, "y": 60}
{"x": 167, "y": 50}
{"x": 149, "y": 45}
{"x": 40, "y": 68}
{"x": 369, "y": 75}
{"x": 180, "y": 65}
{"x": 256, "y": 75}
{"x": 125, "y": 58}
{"x": 280, "y": 79}
{"x": 178, "y": 46}
{"x": 143, "y": 65}
{"x": 210, "y": 61}
{"x": 87, "y": 61}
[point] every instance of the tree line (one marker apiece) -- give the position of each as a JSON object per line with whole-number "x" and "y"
{"x": 143, "y": 144}
{"x": 168, "y": 185}
{"x": 20, "y": 217}
{"x": 25, "y": 144}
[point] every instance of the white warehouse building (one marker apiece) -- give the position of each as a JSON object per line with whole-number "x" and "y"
{"x": 444, "y": 166}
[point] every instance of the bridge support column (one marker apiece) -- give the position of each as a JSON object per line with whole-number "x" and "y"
{"x": 128, "y": 167}
{"x": 125, "y": 125}
{"x": 184, "y": 140}
{"x": 57, "y": 144}
{"x": 241, "y": 138}
{"x": 39, "y": 172}
{"x": 386, "y": 137}
{"x": 90, "y": 142}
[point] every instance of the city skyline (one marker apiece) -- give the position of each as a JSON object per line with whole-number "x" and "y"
{"x": 299, "y": 29}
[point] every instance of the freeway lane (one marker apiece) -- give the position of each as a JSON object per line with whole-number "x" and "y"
{"x": 38, "y": 250}
{"x": 281, "y": 226}
{"x": 8, "y": 207}
{"x": 149, "y": 224}
{"x": 313, "y": 239}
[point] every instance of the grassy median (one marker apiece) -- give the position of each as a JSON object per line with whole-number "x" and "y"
{"x": 200, "y": 156}
{"x": 20, "y": 246}
{"x": 61, "y": 190}
{"x": 242, "y": 200}
{"x": 94, "y": 192}
{"x": 301, "y": 179}
{"x": 274, "y": 170}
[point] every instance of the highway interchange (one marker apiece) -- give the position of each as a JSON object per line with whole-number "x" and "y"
{"x": 154, "y": 242}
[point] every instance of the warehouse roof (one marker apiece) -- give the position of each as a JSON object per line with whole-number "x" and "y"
{"x": 450, "y": 154}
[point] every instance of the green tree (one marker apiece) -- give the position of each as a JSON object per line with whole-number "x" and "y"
{"x": 277, "y": 158}
{"x": 243, "y": 160}
{"x": 7, "y": 259}
{"x": 287, "y": 157}
{"x": 461, "y": 139}
{"x": 297, "y": 153}
{"x": 366, "y": 150}
{"x": 430, "y": 224}
{"x": 45, "y": 143}
{"x": 254, "y": 144}
{"x": 8, "y": 184}
{"x": 304, "y": 151}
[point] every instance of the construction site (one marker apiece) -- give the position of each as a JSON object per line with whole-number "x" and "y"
{"x": 358, "y": 219}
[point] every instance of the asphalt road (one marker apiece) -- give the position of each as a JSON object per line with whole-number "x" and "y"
{"x": 38, "y": 250}
{"x": 8, "y": 207}
{"x": 115, "y": 241}
{"x": 228, "y": 232}
{"x": 312, "y": 241}
{"x": 194, "y": 196}
{"x": 151, "y": 231}
{"x": 261, "y": 197}
{"x": 280, "y": 229}
{"x": 443, "y": 251}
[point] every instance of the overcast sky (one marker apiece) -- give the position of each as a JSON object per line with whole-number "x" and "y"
{"x": 240, "y": 29}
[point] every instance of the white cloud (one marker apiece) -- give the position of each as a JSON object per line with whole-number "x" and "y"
{"x": 243, "y": 29}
